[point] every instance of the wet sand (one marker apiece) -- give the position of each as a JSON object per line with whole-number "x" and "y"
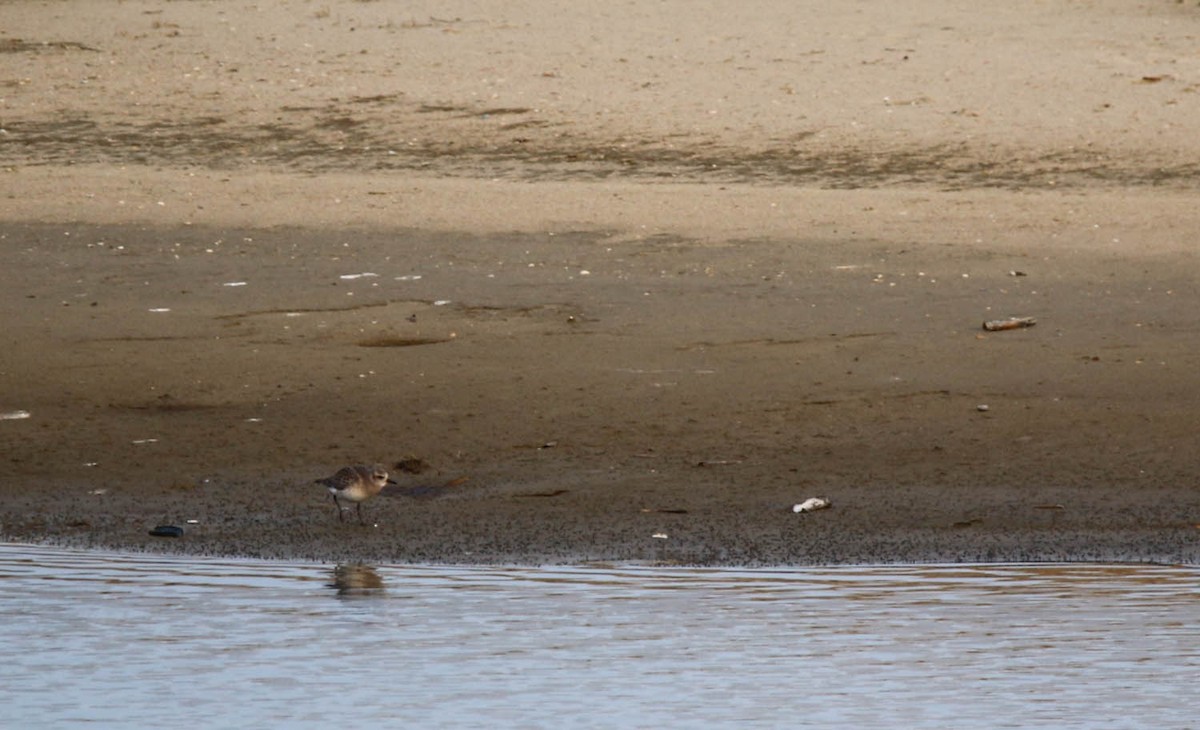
{"x": 615, "y": 305}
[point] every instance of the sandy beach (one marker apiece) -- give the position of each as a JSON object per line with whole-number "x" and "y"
{"x": 603, "y": 282}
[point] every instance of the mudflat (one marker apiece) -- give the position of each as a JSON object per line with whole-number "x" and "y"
{"x": 602, "y": 283}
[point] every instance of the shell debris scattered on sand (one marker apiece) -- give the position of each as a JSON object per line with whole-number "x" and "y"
{"x": 812, "y": 504}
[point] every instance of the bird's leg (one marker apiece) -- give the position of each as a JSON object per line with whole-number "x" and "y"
{"x": 360, "y": 519}
{"x": 338, "y": 504}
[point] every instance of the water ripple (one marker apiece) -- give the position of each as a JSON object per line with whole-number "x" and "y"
{"x": 114, "y": 638}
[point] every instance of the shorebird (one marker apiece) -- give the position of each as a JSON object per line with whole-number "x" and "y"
{"x": 355, "y": 484}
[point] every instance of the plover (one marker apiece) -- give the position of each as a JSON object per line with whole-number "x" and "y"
{"x": 355, "y": 484}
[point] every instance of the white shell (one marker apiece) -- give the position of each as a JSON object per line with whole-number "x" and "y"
{"x": 811, "y": 504}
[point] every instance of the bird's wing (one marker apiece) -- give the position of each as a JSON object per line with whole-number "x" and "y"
{"x": 343, "y": 478}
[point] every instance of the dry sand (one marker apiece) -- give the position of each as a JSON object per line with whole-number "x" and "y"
{"x": 608, "y": 273}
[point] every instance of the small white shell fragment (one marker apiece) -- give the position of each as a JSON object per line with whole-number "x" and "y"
{"x": 811, "y": 504}
{"x": 160, "y": 309}
{"x": 193, "y": 522}
{"x": 98, "y": 491}
{"x": 441, "y": 302}
{"x": 983, "y": 408}
{"x": 14, "y": 415}
{"x": 358, "y": 276}
{"x": 659, "y": 536}
{"x": 234, "y": 283}
{"x": 408, "y": 277}
{"x": 145, "y": 441}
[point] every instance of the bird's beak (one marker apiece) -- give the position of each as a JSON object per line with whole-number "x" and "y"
{"x": 392, "y": 481}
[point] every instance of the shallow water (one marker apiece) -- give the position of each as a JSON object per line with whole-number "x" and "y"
{"x": 117, "y": 639}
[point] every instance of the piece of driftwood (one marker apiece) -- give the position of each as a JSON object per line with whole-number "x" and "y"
{"x": 1008, "y": 323}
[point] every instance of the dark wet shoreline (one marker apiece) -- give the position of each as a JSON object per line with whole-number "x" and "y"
{"x": 570, "y": 418}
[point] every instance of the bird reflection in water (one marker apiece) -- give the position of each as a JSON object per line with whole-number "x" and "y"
{"x": 351, "y": 581}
